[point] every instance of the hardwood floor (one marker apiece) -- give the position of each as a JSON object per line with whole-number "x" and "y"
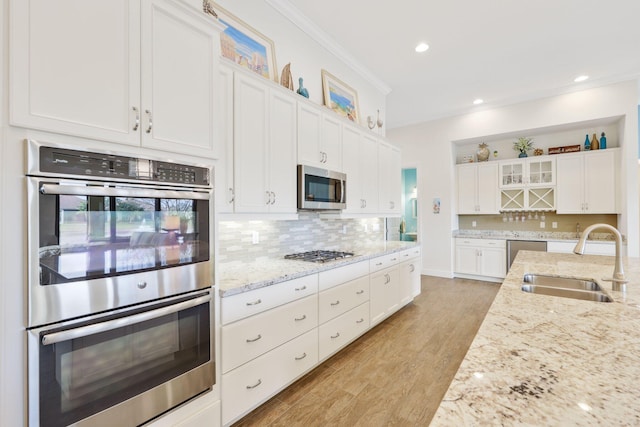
{"x": 394, "y": 375}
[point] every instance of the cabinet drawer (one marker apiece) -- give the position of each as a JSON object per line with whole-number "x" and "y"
{"x": 379, "y": 263}
{"x": 409, "y": 254}
{"x": 340, "y": 299}
{"x": 330, "y": 278}
{"x": 249, "y": 338}
{"x": 246, "y": 304}
{"x": 249, "y": 385}
{"x": 481, "y": 243}
{"x": 340, "y": 331}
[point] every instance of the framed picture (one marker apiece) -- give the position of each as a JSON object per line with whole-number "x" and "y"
{"x": 245, "y": 46}
{"x": 340, "y": 97}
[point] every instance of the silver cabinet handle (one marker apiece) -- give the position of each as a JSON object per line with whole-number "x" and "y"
{"x": 249, "y": 387}
{"x": 378, "y": 264}
{"x": 232, "y": 195}
{"x": 274, "y": 198}
{"x": 336, "y": 335}
{"x": 302, "y": 288}
{"x": 268, "y": 202}
{"x": 321, "y": 157}
{"x": 258, "y": 301}
{"x": 137, "y": 124}
{"x": 301, "y": 357}
{"x": 362, "y": 203}
{"x": 412, "y": 268}
{"x": 360, "y": 292}
{"x": 360, "y": 321}
{"x": 394, "y": 259}
{"x": 335, "y": 303}
{"x": 254, "y": 339}
{"x": 365, "y": 203}
{"x": 388, "y": 278}
{"x": 150, "y": 121}
{"x": 299, "y": 319}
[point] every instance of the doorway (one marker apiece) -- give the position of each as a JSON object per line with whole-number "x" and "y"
{"x": 405, "y": 227}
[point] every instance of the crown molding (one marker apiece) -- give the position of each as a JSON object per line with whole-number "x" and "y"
{"x": 293, "y": 14}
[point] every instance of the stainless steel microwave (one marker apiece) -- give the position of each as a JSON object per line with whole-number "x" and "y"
{"x": 321, "y": 189}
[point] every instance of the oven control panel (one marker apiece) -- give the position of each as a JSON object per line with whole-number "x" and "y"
{"x": 89, "y": 164}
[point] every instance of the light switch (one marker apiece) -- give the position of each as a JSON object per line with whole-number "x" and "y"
{"x": 473, "y": 223}
{"x": 542, "y": 224}
{"x": 554, "y": 224}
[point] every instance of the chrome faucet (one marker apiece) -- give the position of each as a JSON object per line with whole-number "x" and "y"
{"x": 618, "y": 280}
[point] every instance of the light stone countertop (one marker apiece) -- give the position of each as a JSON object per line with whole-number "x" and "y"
{"x": 237, "y": 277}
{"x": 543, "y": 360}
{"x": 548, "y": 236}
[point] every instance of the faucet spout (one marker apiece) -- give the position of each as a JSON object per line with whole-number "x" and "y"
{"x": 618, "y": 280}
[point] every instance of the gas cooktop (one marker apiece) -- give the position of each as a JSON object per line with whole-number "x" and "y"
{"x": 319, "y": 256}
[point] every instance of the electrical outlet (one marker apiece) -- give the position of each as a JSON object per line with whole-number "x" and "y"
{"x": 255, "y": 237}
{"x": 473, "y": 223}
{"x": 542, "y": 224}
{"x": 554, "y": 224}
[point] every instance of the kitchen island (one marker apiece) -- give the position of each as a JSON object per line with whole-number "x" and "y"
{"x": 546, "y": 360}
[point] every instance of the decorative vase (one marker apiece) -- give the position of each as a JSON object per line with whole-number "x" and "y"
{"x": 523, "y": 154}
{"x": 483, "y": 152}
{"x": 594, "y": 143}
{"x": 603, "y": 141}
{"x": 587, "y": 143}
{"x": 302, "y": 90}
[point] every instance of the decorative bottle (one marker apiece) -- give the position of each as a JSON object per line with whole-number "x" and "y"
{"x": 603, "y": 141}
{"x": 587, "y": 144}
{"x": 594, "y": 143}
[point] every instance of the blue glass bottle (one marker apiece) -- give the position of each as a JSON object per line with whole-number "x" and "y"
{"x": 603, "y": 141}
{"x": 587, "y": 143}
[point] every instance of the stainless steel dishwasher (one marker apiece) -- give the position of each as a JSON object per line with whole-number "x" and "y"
{"x": 513, "y": 246}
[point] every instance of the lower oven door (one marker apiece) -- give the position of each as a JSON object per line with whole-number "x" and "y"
{"x": 124, "y": 368}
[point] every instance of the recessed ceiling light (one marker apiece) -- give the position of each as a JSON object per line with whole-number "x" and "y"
{"x": 478, "y": 101}
{"x": 580, "y": 79}
{"x": 422, "y": 47}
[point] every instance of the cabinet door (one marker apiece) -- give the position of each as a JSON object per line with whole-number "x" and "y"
{"x": 369, "y": 174}
{"x": 179, "y": 74}
{"x": 224, "y": 168}
{"x": 75, "y": 68}
{"x": 351, "y": 163}
{"x": 541, "y": 171}
{"x": 384, "y": 294}
{"x": 600, "y": 182}
{"x": 331, "y": 143}
{"x": 251, "y": 132}
{"x": 389, "y": 179}
{"x": 467, "y": 259}
{"x": 308, "y": 129}
{"x": 282, "y": 154}
{"x": 467, "y": 185}
{"x": 493, "y": 262}
{"x": 570, "y": 185}
{"x": 409, "y": 275}
{"x": 512, "y": 173}
{"x": 488, "y": 196}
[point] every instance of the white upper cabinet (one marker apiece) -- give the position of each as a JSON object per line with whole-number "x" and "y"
{"x": 132, "y": 72}
{"x": 264, "y": 148}
{"x": 538, "y": 171}
{"x": 389, "y": 179}
{"x": 477, "y": 188}
{"x": 319, "y": 138}
{"x": 360, "y": 163}
{"x": 225, "y": 191}
{"x": 587, "y": 182}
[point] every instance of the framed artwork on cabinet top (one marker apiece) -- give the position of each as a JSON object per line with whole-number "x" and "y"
{"x": 246, "y": 46}
{"x": 340, "y": 97}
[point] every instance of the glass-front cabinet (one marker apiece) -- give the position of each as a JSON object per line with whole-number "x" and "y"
{"x": 532, "y": 171}
{"x": 528, "y": 184}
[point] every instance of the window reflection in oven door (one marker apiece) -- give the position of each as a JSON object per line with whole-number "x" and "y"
{"x": 121, "y": 369}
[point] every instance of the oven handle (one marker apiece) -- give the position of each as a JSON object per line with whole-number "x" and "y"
{"x": 108, "y": 325}
{"x": 76, "y": 190}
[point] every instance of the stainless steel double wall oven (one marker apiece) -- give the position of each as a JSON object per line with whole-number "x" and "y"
{"x": 120, "y": 294}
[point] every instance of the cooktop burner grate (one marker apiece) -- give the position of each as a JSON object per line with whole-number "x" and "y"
{"x": 319, "y": 256}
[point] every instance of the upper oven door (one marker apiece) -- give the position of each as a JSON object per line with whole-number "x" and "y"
{"x": 96, "y": 246}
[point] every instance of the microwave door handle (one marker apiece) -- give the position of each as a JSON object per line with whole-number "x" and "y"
{"x": 342, "y": 191}
{"x": 78, "y": 190}
{"x": 108, "y": 325}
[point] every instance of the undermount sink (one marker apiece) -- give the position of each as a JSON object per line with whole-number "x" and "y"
{"x": 565, "y": 287}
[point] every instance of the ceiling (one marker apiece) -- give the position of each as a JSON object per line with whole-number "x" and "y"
{"x": 502, "y": 51}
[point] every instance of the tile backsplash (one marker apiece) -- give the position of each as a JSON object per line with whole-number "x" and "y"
{"x": 278, "y": 238}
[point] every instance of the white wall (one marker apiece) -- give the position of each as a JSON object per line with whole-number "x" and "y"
{"x": 306, "y": 56}
{"x": 431, "y": 144}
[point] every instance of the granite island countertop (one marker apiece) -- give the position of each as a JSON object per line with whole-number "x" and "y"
{"x": 549, "y": 236}
{"x": 237, "y": 277}
{"x": 543, "y": 360}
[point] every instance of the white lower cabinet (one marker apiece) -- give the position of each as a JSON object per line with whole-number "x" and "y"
{"x": 340, "y": 331}
{"x": 409, "y": 279}
{"x": 481, "y": 257}
{"x": 247, "y": 386}
{"x": 385, "y": 294}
